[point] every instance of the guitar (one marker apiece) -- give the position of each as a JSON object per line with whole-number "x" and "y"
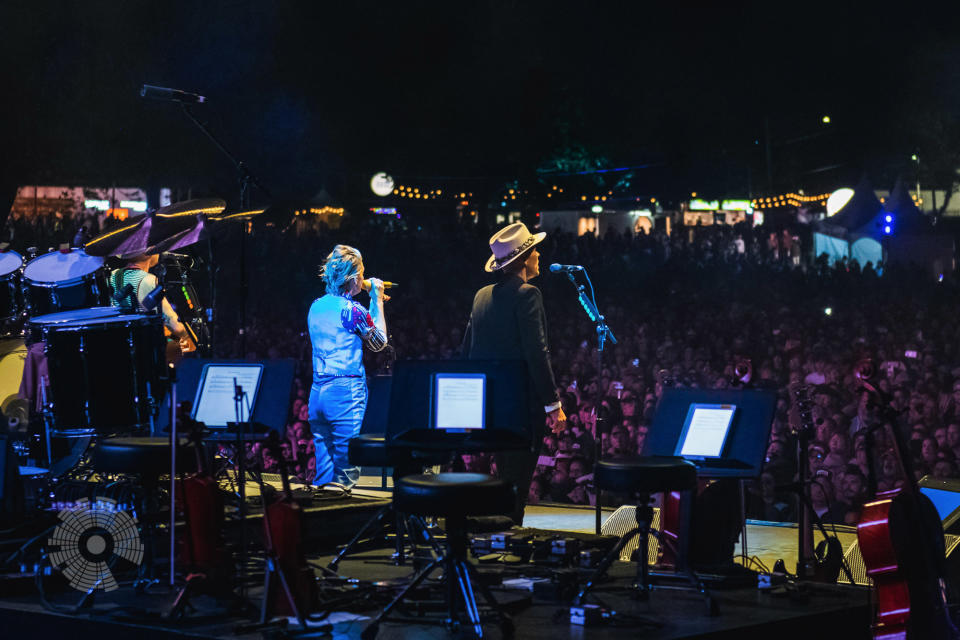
{"x": 175, "y": 349}
{"x": 202, "y": 505}
{"x": 283, "y": 533}
{"x": 901, "y": 540}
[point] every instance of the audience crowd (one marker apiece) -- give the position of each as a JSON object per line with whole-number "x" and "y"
{"x": 697, "y": 308}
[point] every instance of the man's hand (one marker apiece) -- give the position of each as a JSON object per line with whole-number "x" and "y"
{"x": 557, "y": 420}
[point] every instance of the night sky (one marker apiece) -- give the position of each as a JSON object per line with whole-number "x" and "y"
{"x": 323, "y": 94}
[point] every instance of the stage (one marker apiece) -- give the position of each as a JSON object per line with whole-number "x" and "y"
{"x": 369, "y": 579}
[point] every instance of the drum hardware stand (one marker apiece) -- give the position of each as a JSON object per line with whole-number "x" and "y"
{"x": 589, "y": 304}
{"x": 172, "y": 380}
{"x": 45, "y": 416}
{"x": 246, "y": 178}
{"x": 241, "y": 459}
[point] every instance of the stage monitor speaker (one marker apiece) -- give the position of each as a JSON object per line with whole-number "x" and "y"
{"x": 621, "y": 522}
{"x": 714, "y": 527}
{"x": 945, "y": 496}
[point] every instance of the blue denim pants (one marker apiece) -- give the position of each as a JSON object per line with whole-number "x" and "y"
{"x": 337, "y": 405}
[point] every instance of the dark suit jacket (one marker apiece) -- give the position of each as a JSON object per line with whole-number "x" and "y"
{"x": 508, "y": 323}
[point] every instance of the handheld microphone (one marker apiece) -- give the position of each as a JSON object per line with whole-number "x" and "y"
{"x": 386, "y": 285}
{"x": 151, "y": 92}
{"x": 565, "y": 268}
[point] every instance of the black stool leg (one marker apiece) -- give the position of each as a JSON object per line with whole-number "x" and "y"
{"x": 371, "y": 631}
{"x": 608, "y": 560}
{"x": 378, "y": 519}
{"x": 644, "y": 516}
{"x": 506, "y": 622}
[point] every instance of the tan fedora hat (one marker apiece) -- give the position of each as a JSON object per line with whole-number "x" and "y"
{"x": 510, "y": 243}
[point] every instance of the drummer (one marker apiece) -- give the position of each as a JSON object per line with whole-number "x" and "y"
{"x": 136, "y": 274}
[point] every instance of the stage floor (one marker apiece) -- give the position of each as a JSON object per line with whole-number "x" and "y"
{"x": 828, "y": 611}
{"x": 818, "y": 610}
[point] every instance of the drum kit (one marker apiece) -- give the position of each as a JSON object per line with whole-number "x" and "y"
{"x": 86, "y": 368}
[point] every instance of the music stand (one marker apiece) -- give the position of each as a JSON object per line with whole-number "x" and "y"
{"x": 412, "y": 417}
{"x": 744, "y": 451}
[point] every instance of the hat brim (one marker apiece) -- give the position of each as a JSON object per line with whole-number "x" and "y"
{"x": 492, "y": 265}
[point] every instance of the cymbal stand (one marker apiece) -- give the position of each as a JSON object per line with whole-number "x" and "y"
{"x": 172, "y": 380}
{"x": 245, "y": 178}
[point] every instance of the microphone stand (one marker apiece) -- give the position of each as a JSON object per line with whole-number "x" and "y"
{"x": 589, "y": 304}
{"x": 246, "y": 178}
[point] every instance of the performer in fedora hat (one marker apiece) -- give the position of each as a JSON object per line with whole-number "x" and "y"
{"x": 508, "y": 322}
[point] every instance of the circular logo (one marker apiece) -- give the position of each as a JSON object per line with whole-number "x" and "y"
{"x": 90, "y": 539}
{"x": 381, "y": 184}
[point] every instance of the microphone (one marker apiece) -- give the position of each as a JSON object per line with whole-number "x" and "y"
{"x": 386, "y": 285}
{"x": 179, "y": 258}
{"x": 120, "y": 295}
{"x": 152, "y": 299}
{"x": 170, "y": 95}
{"x": 565, "y": 268}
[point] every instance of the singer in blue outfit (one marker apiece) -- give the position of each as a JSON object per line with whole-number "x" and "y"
{"x": 339, "y": 329}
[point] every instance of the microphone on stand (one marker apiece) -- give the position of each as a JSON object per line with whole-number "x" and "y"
{"x": 152, "y": 299}
{"x": 151, "y": 92}
{"x": 565, "y": 268}
{"x": 365, "y": 285}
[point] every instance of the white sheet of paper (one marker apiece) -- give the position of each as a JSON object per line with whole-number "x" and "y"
{"x": 459, "y": 403}
{"x": 708, "y": 427}
{"x": 216, "y": 405}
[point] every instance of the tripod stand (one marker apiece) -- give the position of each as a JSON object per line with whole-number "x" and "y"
{"x": 809, "y": 566}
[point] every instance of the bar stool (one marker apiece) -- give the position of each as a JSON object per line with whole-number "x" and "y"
{"x": 453, "y": 496}
{"x": 371, "y": 450}
{"x": 149, "y": 458}
{"x": 641, "y": 477}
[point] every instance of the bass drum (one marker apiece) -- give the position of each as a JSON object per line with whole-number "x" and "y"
{"x": 10, "y": 299}
{"x": 59, "y": 281}
{"x": 13, "y": 356}
{"x": 105, "y": 372}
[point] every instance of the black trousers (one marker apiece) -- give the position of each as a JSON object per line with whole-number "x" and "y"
{"x": 517, "y": 467}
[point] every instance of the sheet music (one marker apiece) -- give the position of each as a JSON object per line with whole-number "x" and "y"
{"x": 215, "y": 399}
{"x": 707, "y": 431}
{"x": 459, "y": 402}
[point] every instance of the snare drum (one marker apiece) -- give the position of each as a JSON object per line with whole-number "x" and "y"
{"x": 37, "y": 328}
{"x": 10, "y": 263}
{"x": 104, "y": 370}
{"x": 59, "y": 281}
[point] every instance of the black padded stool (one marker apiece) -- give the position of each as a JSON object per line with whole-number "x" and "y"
{"x": 149, "y": 458}
{"x": 371, "y": 450}
{"x": 642, "y": 477}
{"x": 453, "y": 496}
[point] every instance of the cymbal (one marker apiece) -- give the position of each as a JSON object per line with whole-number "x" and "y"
{"x": 197, "y": 206}
{"x": 237, "y": 216}
{"x": 172, "y": 227}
